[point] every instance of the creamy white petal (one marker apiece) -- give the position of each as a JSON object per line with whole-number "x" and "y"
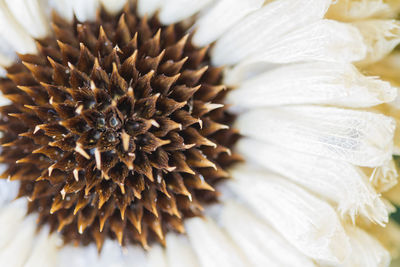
{"x": 307, "y": 222}
{"x": 351, "y": 10}
{"x": 8, "y": 190}
{"x": 134, "y": 255}
{"x": 113, "y": 6}
{"x": 18, "y": 250}
{"x": 387, "y": 69}
{"x": 380, "y": 36}
{"x": 383, "y": 177}
{"x": 366, "y": 251}
{"x": 221, "y": 17}
{"x": 78, "y": 256}
{"x": 148, "y": 7}
{"x": 359, "y": 137}
{"x": 179, "y": 252}
{"x": 30, "y": 16}
{"x": 342, "y": 184}
{"x": 85, "y": 10}
{"x": 324, "y": 40}
{"x": 45, "y": 250}
{"x": 339, "y": 84}
{"x": 64, "y": 8}
{"x": 173, "y": 11}
{"x": 7, "y": 54}
{"x": 212, "y": 246}
{"x": 261, "y": 244}
{"x": 14, "y": 33}
{"x": 388, "y": 237}
{"x": 11, "y": 217}
{"x": 156, "y": 257}
{"x": 264, "y": 27}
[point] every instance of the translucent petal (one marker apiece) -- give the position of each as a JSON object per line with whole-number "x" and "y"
{"x": 261, "y": 244}
{"x": 387, "y": 68}
{"x": 341, "y": 183}
{"x": 179, "y": 252}
{"x": 366, "y": 251}
{"x": 7, "y": 54}
{"x": 148, "y": 6}
{"x": 8, "y": 191}
{"x": 324, "y": 40}
{"x": 30, "y": 16}
{"x": 156, "y": 257}
{"x": 14, "y": 33}
{"x": 17, "y": 251}
{"x": 383, "y": 177}
{"x": 352, "y": 10}
{"x": 173, "y": 11}
{"x": 339, "y": 84}
{"x": 380, "y": 36}
{"x": 308, "y": 223}
{"x": 78, "y": 256}
{"x": 11, "y": 217}
{"x": 64, "y": 8}
{"x": 359, "y": 137}
{"x": 221, "y": 17}
{"x": 264, "y": 27}
{"x": 45, "y": 250}
{"x": 212, "y": 247}
{"x": 113, "y": 6}
{"x": 85, "y": 10}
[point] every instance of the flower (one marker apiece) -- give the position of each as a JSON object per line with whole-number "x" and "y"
{"x": 316, "y": 149}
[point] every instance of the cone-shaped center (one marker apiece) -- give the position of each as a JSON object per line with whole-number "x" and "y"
{"x": 116, "y": 128}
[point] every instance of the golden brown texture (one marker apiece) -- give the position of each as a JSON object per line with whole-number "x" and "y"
{"x": 116, "y": 128}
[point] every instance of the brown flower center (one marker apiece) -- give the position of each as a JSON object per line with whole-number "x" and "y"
{"x": 116, "y": 128}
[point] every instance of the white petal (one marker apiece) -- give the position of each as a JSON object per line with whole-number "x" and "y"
{"x": 156, "y": 257}
{"x": 308, "y": 223}
{"x": 262, "y": 245}
{"x": 11, "y": 217}
{"x": 338, "y": 84}
{"x": 359, "y": 137}
{"x": 212, "y": 247}
{"x": 148, "y": 7}
{"x": 380, "y": 36}
{"x": 78, "y": 256}
{"x": 113, "y": 6}
{"x": 366, "y": 251}
{"x": 30, "y": 16}
{"x": 264, "y": 27}
{"x": 179, "y": 252}
{"x": 221, "y": 17}
{"x": 387, "y": 69}
{"x": 8, "y": 191}
{"x": 173, "y": 11}
{"x": 341, "y": 183}
{"x": 383, "y": 177}
{"x": 64, "y": 8}
{"x": 324, "y": 40}
{"x": 135, "y": 254}
{"x": 351, "y": 10}
{"x": 85, "y": 10}
{"x": 7, "y": 54}
{"x": 19, "y": 248}
{"x": 14, "y": 33}
{"x": 45, "y": 250}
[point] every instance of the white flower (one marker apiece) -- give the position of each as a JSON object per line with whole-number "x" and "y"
{"x": 317, "y": 151}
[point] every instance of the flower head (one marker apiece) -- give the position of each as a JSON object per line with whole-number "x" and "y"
{"x": 125, "y": 116}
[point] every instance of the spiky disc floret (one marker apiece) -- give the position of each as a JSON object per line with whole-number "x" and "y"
{"x": 115, "y": 129}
